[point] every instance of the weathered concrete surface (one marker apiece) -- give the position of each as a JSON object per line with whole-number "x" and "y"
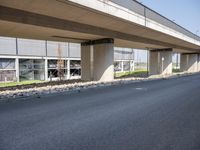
{"x": 160, "y": 62}
{"x": 189, "y": 62}
{"x": 103, "y": 62}
{"x": 86, "y": 63}
{"x": 74, "y": 21}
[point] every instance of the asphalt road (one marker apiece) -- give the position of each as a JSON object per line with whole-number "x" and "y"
{"x": 153, "y": 115}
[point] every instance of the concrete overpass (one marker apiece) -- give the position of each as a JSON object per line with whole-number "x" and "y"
{"x": 99, "y": 25}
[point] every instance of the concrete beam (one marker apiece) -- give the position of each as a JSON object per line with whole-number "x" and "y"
{"x": 40, "y": 21}
{"x": 160, "y": 62}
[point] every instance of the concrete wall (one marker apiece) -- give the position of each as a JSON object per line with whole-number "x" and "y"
{"x": 160, "y": 62}
{"x": 153, "y": 63}
{"x": 192, "y": 62}
{"x": 86, "y": 72}
{"x": 166, "y": 62}
{"x": 184, "y": 63}
{"x": 189, "y": 62}
{"x": 103, "y": 62}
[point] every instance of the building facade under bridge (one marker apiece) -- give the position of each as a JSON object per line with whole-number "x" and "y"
{"x": 27, "y": 59}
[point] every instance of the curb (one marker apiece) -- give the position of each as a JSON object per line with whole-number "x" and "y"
{"x": 76, "y": 87}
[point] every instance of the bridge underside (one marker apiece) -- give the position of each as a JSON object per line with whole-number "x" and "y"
{"x": 64, "y": 21}
{"x": 61, "y": 20}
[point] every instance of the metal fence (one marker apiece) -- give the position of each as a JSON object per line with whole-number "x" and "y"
{"x": 151, "y": 14}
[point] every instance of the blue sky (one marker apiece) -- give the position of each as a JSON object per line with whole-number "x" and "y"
{"x": 184, "y": 12}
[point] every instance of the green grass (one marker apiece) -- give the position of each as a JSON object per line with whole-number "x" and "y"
{"x": 137, "y": 73}
{"x": 176, "y": 70}
{"x": 8, "y": 84}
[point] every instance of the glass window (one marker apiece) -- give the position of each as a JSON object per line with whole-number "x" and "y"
{"x": 31, "y": 69}
{"x": 126, "y": 65}
{"x": 53, "y": 68}
{"x": 75, "y": 67}
{"x": 118, "y": 66}
{"x": 7, "y": 63}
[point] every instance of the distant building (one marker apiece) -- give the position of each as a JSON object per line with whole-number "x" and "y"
{"x": 25, "y": 59}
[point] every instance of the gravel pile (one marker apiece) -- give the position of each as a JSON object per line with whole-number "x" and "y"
{"x": 75, "y": 87}
{"x": 42, "y": 84}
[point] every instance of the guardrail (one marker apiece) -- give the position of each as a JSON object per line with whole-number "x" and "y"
{"x": 151, "y": 14}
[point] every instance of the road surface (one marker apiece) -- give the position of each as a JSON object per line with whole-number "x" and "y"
{"x": 153, "y": 115}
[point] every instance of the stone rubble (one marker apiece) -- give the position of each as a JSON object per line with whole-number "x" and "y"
{"x": 76, "y": 87}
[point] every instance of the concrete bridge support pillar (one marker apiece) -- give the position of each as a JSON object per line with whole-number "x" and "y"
{"x": 160, "y": 62}
{"x": 97, "y": 59}
{"x": 198, "y": 63}
{"x": 189, "y": 62}
{"x": 86, "y": 62}
{"x": 103, "y": 61}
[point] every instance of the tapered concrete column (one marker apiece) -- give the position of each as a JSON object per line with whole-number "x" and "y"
{"x": 160, "y": 62}
{"x": 86, "y": 62}
{"x": 97, "y": 60}
{"x": 17, "y": 68}
{"x": 189, "y": 62}
{"x": 103, "y": 61}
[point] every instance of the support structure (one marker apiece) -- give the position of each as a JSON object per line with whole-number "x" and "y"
{"x": 189, "y": 62}
{"x": 17, "y": 68}
{"x": 86, "y": 62}
{"x": 160, "y": 62}
{"x": 97, "y": 59}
